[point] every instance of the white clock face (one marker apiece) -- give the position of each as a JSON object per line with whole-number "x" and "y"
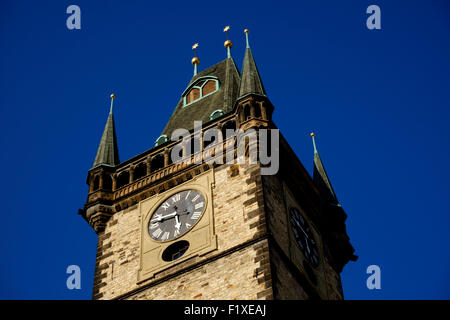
{"x": 176, "y": 215}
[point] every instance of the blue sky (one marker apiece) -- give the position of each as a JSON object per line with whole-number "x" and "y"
{"x": 378, "y": 100}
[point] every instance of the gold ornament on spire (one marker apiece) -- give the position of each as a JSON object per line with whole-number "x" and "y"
{"x": 246, "y": 31}
{"x": 312, "y": 134}
{"x": 112, "y": 96}
{"x": 228, "y": 43}
{"x": 195, "y": 60}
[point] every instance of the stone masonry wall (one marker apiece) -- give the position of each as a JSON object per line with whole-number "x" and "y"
{"x": 239, "y": 269}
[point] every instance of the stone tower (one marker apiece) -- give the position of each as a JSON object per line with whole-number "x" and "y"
{"x": 202, "y": 228}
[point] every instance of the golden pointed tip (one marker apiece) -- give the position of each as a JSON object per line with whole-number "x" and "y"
{"x": 195, "y": 46}
{"x": 226, "y": 28}
{"x": 312, "y": 134}
{"x": 112, "y": 96}
{"x": 246, "y": 31}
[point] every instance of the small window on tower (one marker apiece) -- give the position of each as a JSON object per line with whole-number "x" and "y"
{"x": 216, "y": 114}
{"x": 209, "y": 87}
{"x": 200, "y": 89}
{"x": 193, "y": 95}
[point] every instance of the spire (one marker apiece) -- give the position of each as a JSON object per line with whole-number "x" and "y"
{"x": 320, "y": 177}
{"x": 195, "y": 61}
{"x": 107, "y": 152}
{"x": 250, "y": 79}
{"x": 232, "y": 77}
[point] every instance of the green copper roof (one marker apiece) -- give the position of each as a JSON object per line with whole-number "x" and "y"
{"x": 250, "y": 79}
{"x": 321, "y": 180}
{"x": 108, "y": 152}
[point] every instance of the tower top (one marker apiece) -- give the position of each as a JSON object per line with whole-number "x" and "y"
{"x": 108, "y": 152}
{"x": 320, "y": 177}
{"x": 250, "y": 80}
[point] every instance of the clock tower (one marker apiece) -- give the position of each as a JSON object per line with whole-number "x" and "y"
{"x": 196, "y": 217}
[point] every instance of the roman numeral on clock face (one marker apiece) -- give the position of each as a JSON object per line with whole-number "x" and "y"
{"x": 196, "y": 215}
{"x": 195, "y": 198}
{"x": 157, "y": 233}
{"x": 165, "y": 236}
{"x": 176, "y": 198}
{"x": 165, "y": 205}
{"x": 198, "y": 205}
{"x": 153, "y": 225}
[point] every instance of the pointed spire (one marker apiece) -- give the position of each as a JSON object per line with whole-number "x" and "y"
{"x": 195, "y": 61}
{"x": 108, "y": 152}
{"x": 250, "y": 80}
{"x": 320, "y": 177}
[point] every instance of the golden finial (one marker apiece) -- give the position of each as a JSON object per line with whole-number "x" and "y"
{"x": 246, "y": 31}
{"x": 195, "y": 60}
{"x": 112, "y": 96}
{"x": 228, "y": 43}
{"x": 312, "y": 134}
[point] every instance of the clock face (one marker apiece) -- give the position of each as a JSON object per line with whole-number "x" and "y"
{"x": 176, "y": 215}
{"x": 304, "y": 237}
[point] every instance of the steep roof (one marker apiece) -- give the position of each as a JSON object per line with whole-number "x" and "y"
{"x": 250, "y": 80}
{"x": 321, "y": 180}
{"x": 184, "y": 116}
{"x": 108, "y": 151}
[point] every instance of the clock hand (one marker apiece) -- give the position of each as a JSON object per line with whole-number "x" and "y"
{"x": 161, "y": 218}
{"x": 177, "y": 223}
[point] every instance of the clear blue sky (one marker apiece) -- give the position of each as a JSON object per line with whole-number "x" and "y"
{"x": 378, "y": 100}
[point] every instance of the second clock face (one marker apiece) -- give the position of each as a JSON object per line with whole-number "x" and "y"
{"x": 176, "y": 215}
{"x": 304, "y": 237}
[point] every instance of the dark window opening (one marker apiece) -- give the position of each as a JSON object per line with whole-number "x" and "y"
{"x": 157, "y": 162}
{"x": 228, "y": 125}
{"x": 257, "y": 112}
{"x": 96, "y": 184}
{"x": 140, "y": 171}
{"x": 247, "y": 112}
{"x": 123, "y": 179}
{"x": 175, "y": 251}
{"x": 107, "y": 182}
